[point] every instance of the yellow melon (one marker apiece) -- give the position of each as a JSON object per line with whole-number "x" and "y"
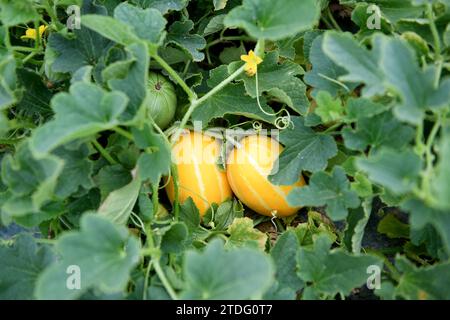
{"x": 196, "y": 155}
{"x": 248, "y": 166}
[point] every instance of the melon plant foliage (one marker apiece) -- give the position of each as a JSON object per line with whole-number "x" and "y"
{"x": 83, "y": 165}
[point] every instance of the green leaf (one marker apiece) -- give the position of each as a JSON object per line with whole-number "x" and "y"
{"x": 416, "y": 88}
{"x": 110, "y": 28}
{"x": 330, "y": 190}
{"x": 439, "y": 184}
{"x": 396, "y": 170}
{"x": 118, "y": 204}
{"x": 84, "y": 111}
{"x": 428, "y": 283}
{"x": 274, "y": 20}
{"x": 328, "y": 108}
{"x": 226, "y": 213}
{"x": 284, "y": 254}
{"x": 174, "y": 238}
{"x": 332, "y": 271}
{"x": 146, "y": 24}
{"x": 155, "y": 162}
{"x": 280, "y": 81}
{"x": 105, "y": 254}
{"x": 325, "y": 73}
{"x": 36, "y": 98}
{"x": 421, "y": 215}
{"x": 179, "y": 34}
{"x": 22, "y": 263}
{"x": 77, "y": 170}
{"x": 202, "y": 270}
{"x": 85, "y": 48}
{"x": 392, "y": 227}
{"x": 379, "y": 131}
{"x": 111, "y": 178}
{"x": 190, "y": 215}
{"x": 242, "y": 234}
{"x": 130, "y": 77}
{"x": 17, "y": 12}
{"x": 163, "y": 6}
{"x": 358, "y": 231}
{"x": 8, "y": 81}
{"x": 360, "y": 108}
{"x": 360, "y": 63}
{"x": 305, "y": 150}
{"x": 230, "y": 100}
{"x": 31, "y": 182}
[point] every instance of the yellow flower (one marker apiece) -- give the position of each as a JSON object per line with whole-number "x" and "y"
{"x": 31, "y": 33}
{"x": 251, "y": 62}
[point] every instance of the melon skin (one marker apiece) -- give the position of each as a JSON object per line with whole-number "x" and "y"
{"x": 248, "y": 166}
{"x": 161, "y": 99}
{"x": 196, "y": 156}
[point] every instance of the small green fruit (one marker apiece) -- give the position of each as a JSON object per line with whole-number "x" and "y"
{"x": 161, "y": 99}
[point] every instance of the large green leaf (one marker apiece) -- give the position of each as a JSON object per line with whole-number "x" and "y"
{"x": 230, "y": 100}
{"x": 118, "y": 204}
{"x": 243, "y": 234}
{"x": 216, "y": 273}
{"x": 280, "y": 81}
{"x": 379, "y": 131}
{"x": 155, "y": 162}
{"x": 130, "y": 76}
{"x": 305, "y": 150}
{"x": 330, "y": 190}
{"x": 17, "y": 12}
{"x": 284, "y": 254}
{"x": 179, "y": 34}
{"x": 332, "y": 271}
{"x": 104, "y": 253}
{"x": 163, "y": 6}
{"x": 421, "y": 215}
{"x": 274, "y": 20}
{"x": 429, "y": 283}
{"x": 360, "y": 63}
{"x": 396, "y": 170}
{"x": 84, "y": 111}
{"x": 22, "y": 262}
{"x": 31, "y": 182}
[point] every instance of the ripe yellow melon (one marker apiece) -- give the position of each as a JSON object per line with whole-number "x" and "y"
{"x": 196, "y": 156}
{"x": 248, "y": 166}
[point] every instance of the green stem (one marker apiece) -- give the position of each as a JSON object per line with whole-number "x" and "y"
{"x": 10, "y": 142}
{"x": 223, "y": 39}
{"x": 156, "y": 262}
{"x": 30, "y": 56}
{"x": 155, "y": 200}
{"x": 123, "y": 133}
{"x": 435, "y": 33}
{"x": 429, "y": 156}
{"x": 103, "y": 152}
{"x": 333, "y": 21}
{"x": 191, "y": 94}
{"x": 176, "y": 184}
{"x": 37, "y": 41}
{"x": 51, "y": 10}
{"x": 24, "y": 49}
{"x": 147, "y": 276}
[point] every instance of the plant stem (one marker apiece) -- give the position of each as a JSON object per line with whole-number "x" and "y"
{"x": 223, "y": 39}
{"x": 147, "y": 276}
{"x": 155, "y": 200}
{"x": 430, "y": 157}
{"x": 191, "y": 94}
{"x": 197, "y": 102}
{"x": 156, "y": 262}
{"x": 123, "y": 133}
{"x": 103, "y": 152}
{"x": 333, "y": 21}
{"x": 435, "y": 33}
